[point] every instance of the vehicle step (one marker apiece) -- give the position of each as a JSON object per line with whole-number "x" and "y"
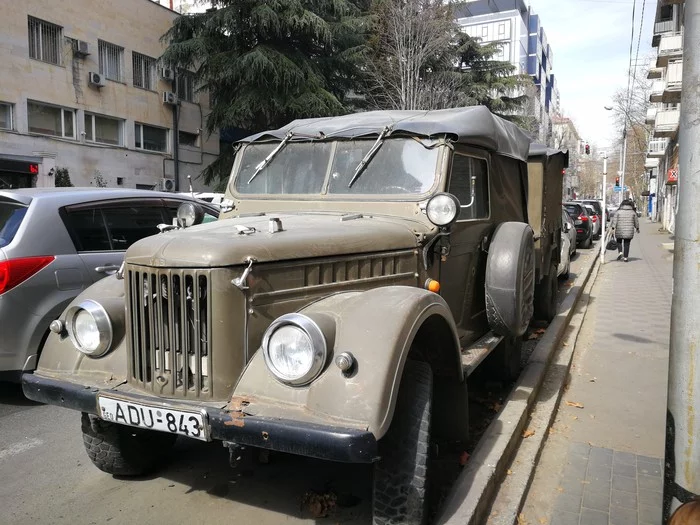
{"x": 474, "y": 354}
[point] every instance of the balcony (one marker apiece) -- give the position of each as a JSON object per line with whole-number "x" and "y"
{"x": 651, "y": 116}
{"x": 651, "y": 163}
{"x": 655, "y": 72}
{"x": 657, "y": 147}
{"x": 674, "y": 82}
{"x": 666, "y": 124}
{"x": 670, "y": 47}
{"x": 657, "y": 90}
{"x": 660, "y": 28}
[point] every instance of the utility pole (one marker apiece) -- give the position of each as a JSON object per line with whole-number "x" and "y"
{"x": 603, "y": 236}
{"x": 682, "y": 466}
{"x": 623, "y": 162}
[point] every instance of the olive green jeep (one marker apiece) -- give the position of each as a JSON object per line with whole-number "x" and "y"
{"x": 368, "y": 265}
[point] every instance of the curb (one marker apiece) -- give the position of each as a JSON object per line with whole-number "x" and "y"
{"x": 471, "y": 496}
{"x": 512, "y": 492}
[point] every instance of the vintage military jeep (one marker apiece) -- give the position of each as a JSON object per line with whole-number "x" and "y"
{"x": 369, "y": 264}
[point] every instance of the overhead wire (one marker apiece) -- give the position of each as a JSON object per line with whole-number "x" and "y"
{"x": 636, "y": 58}
{"x": 629, "y": 70}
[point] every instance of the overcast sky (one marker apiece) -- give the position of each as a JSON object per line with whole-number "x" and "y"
{"x": 590, "y": 40}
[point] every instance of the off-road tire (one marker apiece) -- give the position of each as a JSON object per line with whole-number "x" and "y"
{"x": 510, "y": 279}
{"x": 121, "y": 450}
{"x": 546, "y": 296}
{"x": 504, "y": 362}
{"x": 401, "y": 475}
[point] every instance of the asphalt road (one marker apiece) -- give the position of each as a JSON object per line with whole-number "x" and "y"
{"x": 46, "y": 477}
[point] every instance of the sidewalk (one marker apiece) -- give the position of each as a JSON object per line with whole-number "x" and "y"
{"x": 602, "y": 463}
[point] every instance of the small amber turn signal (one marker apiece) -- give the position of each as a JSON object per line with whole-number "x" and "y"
{"x": 432, "y": 285}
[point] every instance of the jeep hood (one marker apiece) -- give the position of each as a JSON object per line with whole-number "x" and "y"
{"x": 231, "y": 241}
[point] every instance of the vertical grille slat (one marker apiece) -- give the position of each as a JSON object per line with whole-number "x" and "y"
{"x": 170, "y": 331}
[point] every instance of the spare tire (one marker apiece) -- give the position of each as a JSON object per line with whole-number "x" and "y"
{"x": 510, "y": 279}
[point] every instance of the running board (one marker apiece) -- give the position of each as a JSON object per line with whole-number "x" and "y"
{"x": 474, "y": 354}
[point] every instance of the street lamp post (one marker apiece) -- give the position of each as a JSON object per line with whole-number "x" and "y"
{"x": 603, "y": 243}
{"x": 623, "y": 155}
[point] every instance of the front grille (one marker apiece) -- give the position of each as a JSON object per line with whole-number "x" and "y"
{"x": 169, "y": 331}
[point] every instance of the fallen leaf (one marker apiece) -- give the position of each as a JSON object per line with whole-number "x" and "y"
{"x": 575, "y": 417}
{"x": 574, "y": 404}
{"x": 527, "y": 433}
{"x": 591, "y": 416}
{"x": 509, "y": 472}
{"x": 543, "y": 521}
{"x": 592, "y": 380}
{"x": 552, "y": 430}
{"x": 319, "y": 505}
{"x": 463, "y": 458}
{"x": 565, "y": 344}
{"x": 521, "y": 519}
{"x": 496, "y": 406}
{"x": 559, "y": 489}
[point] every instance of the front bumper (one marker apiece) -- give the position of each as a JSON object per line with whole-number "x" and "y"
{"x": 328, "y": 442}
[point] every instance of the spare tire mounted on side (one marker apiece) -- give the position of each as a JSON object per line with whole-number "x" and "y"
{"x": 510, "y": 279}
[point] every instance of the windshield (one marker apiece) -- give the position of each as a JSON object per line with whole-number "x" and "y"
{"x": 400, "y": 167}
{"x": 11, "y": 215}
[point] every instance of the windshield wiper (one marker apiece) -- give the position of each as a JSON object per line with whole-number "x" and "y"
{"x": 372, "y": 151}
{"x": 271, "y": 156}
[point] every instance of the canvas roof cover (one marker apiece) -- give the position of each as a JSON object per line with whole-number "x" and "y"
{"x": 540, "y": 150}
{"x": 474, "y": 125}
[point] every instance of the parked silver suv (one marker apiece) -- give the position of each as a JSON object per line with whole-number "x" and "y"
{"x": 54, "y": 243}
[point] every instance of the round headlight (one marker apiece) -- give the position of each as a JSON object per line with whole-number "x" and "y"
{"x": 443, "y": 209}
{"x": 294, "y": 349}
{"x": 189, "y": 214}
{"x": 89, "y": 328}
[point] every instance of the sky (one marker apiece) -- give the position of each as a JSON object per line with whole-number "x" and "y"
{"x": 590, "y": 40}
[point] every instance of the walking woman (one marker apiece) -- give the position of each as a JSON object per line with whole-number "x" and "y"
{"x": 624, "y": 224}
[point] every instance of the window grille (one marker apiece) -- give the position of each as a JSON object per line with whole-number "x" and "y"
{"x": 45, "y": 41}
{"x": 144, "y": 71}
{"x": 111, "y": 60}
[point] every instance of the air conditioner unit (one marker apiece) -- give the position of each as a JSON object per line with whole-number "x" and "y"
{"x": 95, "y": 79}
{"x": 168, "y": 185}
{"x": 81, "y": 48}
{"x": 169, "y": 98}
{"x": 167, "y": 74}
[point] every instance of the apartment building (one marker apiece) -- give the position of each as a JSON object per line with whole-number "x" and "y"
{"x": 565, "y": 136}
{"x": 664, "y": 113}
{"x": 83, "y": 90}
{"x": 523, "y": 42}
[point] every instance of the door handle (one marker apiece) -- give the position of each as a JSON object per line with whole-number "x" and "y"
{"x": 109, "y": 269}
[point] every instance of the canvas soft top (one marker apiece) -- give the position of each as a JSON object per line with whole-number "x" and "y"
{"x": 540, "y": 150}
{"x": 474, "y": 125}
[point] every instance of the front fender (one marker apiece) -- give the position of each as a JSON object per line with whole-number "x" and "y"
{"x": 59, "y": 357}
{"x": 378, "y": 328}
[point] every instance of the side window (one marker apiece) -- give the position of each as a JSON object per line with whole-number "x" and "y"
{"x": 463, "y": 169}
{"x": 88, "y": 229}
{"x": 129, "y": 224}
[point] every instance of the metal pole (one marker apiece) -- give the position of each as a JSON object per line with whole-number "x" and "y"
{"x": 623, "y": 163}
{"x": 682, "y": 472}
{"x": 605, "y": 210}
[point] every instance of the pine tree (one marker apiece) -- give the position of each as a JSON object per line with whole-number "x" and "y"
{"x": 265, "y": 63}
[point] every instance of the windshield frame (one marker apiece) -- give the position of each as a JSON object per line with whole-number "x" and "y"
{"x": 442, "y": 146}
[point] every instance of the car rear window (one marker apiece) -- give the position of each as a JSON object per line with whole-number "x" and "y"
{"x": 572, "y": 209}
{"x": 595, "y": 205}
{"x": 11, "y": 215}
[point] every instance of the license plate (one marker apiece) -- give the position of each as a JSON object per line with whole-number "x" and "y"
{"x": 184, "y": 423}
{"x": 578, "y": 222}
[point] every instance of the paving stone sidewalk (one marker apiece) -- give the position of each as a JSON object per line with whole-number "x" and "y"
{"x": 602, "y": 461}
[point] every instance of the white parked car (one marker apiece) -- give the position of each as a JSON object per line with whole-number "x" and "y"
{"x": 569, "y": 228}
{"x": 565, "y": 260}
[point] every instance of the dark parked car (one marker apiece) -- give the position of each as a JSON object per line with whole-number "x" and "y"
{"x": 582, "y": 221}
{"x": 54, "y": 243}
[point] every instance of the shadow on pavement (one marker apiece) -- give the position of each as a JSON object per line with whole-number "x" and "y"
{"x": 11, "y": 394}
{"x": 634, "y": 338}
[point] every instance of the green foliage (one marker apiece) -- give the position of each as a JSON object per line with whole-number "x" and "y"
{"x": 62, "y": 178}
{"x": 265, "y": 63}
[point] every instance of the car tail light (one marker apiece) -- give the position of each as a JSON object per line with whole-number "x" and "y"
{"x": 594, "y": 218}
{"x": 16, "y": 271}
{"x": 582, "y": 218}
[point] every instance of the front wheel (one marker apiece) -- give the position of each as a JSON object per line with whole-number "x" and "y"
{"x": 121, "y": 450}
{"x": 401, "y": 475}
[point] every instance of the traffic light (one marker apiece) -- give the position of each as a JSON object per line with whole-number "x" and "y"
{"x": 617, "y": 182}
{"x": 588, "y": 149}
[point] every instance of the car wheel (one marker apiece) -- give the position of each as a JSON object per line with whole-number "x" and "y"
{"x": 510, "y": 279}
{"x": 401, "y": 475}
{"x": 546, "y": 296}
{"x": 587, "y": 243}
{"x": 503, "y": 364}
{"x": 567, "y": 273}
{"x": 121, "y": 450}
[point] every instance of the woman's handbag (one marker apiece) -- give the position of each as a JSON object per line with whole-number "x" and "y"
{"x": 612, "y": 244}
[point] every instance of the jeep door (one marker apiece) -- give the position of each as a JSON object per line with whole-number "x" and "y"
{"x": 463, "y": 271}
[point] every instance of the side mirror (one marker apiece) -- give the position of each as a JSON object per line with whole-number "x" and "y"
{"x": 567, "y": 227}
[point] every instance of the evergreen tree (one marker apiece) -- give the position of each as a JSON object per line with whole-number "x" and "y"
{"x": 265, "y": 63}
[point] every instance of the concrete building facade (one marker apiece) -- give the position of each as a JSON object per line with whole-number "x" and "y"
{"x": 664, "y": 113}
{"x": 565, "y": 136}
{"x": 83, "y": 90}
{"x": 523, "y": 42}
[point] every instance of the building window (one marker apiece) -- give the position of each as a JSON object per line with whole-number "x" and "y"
{"x": 103, "y": 130}
{"x": 188, "y": 139}
{"x": 51, "y": 120}
{"x": 111, "y": 60}
{"x": 484, "y": 31}
{"x": 5, "y": 115}
{"x": 45, "y": 41}
{"x": 185, "y": 86}
{"x": 144, "y": 71}
{"x": 151, "y": 138}
{"x": 501, "y": 29}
